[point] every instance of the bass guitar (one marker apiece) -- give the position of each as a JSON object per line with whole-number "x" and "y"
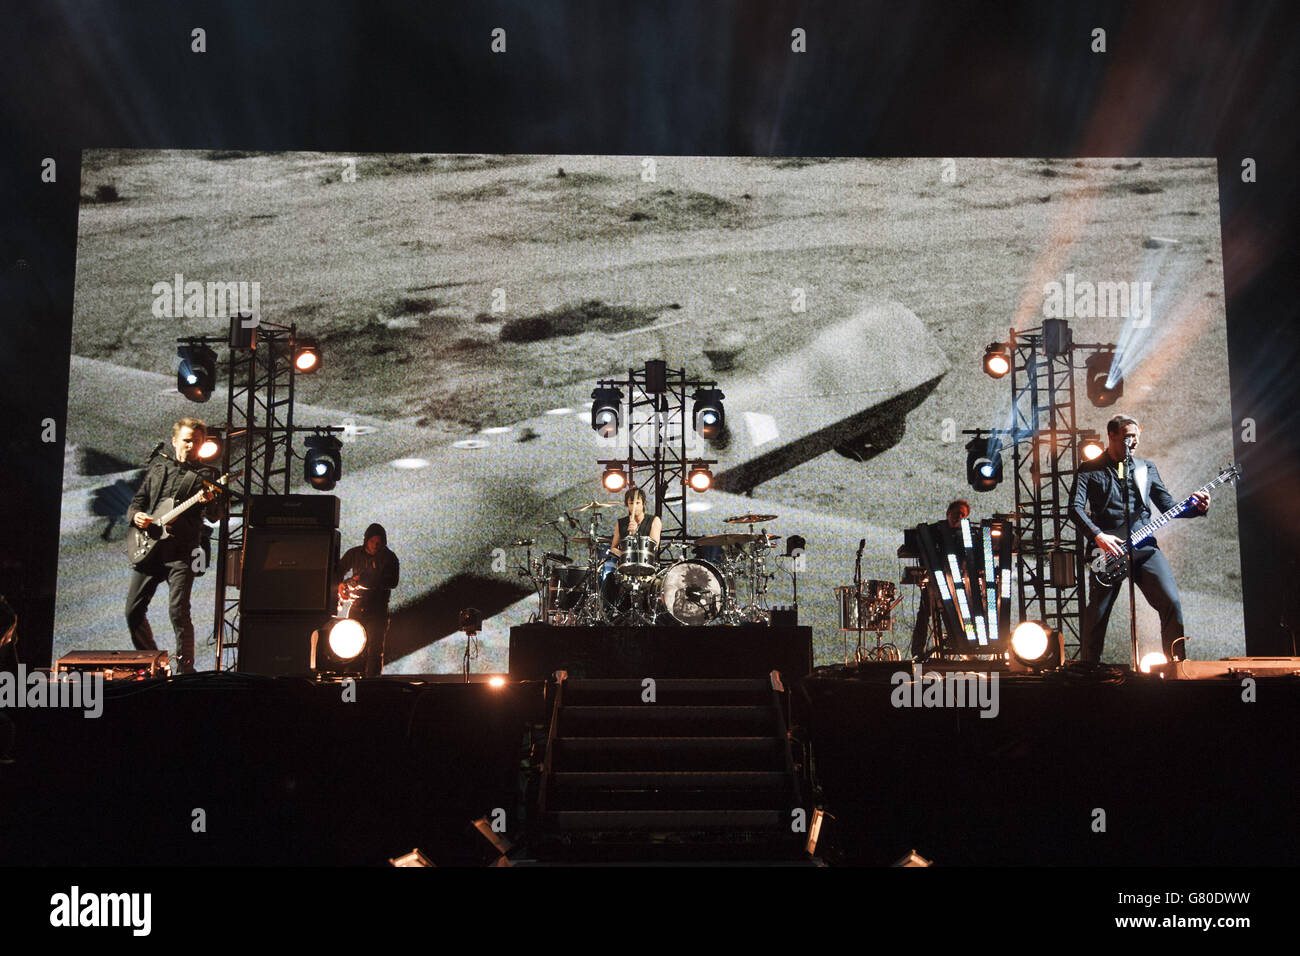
{"x": 1110, "y": 569}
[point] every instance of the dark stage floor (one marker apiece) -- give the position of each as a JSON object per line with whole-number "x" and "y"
{"x": 284, "y": 771}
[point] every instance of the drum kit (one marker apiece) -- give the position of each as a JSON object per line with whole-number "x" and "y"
{"x": 712, "y": 580}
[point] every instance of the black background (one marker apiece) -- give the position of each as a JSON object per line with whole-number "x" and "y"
{"x": 879, "y": 79}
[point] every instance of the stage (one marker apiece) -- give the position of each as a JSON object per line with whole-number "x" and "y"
{"x": 216, "y": 769}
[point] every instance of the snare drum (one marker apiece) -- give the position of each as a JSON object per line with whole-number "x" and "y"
{"x": 692, "y": 592}
{"x": 638, "y": 557}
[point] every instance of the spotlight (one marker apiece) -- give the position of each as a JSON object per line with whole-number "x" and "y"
{"x": 213, "y": 442}
{"x": 997, "y": 359}
{"x": 470, "y": 620}
{"x": 707, "y": 413}
{"x": 496, "y": 681}
{"x": 605, "y": 406}
{"x": 322, "y": 465}
{"x": 196, "y": 375}
{"x": 1036, "y": 646}
{"x": 1102, "y": 389}
{"x": 614, "y": 479}
{"x": 336, "y": 647}
{"x": 983, "y": 465}
{"x": 700, "y": 478}
{"x": 1090, "y": 445}
{"x": 1029, "y": 641}
{"x": 306, "y": 355}
{"x": 1152, "y": 660}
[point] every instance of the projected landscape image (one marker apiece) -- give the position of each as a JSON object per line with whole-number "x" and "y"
{"x": 465, "y": 306}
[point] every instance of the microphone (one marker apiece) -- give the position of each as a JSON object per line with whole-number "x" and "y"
{"x": 1130, "y": 441}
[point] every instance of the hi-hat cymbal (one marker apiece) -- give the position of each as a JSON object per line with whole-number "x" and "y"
{"x": 749, "y": 519}
{"x": 596, "y": 504}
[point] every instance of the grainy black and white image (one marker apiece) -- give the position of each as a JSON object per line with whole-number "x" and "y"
{"x": 466, "y": 305}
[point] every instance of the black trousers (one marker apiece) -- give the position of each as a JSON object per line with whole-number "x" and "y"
{"x": 144, "y": 582}
{"x": 1155, "y": 579}
{"x": 376, "y": 631}
{"x": 921, "y": 630}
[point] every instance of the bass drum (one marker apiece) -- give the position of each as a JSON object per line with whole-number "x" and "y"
{"x": 692, "y": 592}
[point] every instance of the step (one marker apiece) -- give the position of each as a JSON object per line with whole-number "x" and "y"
{"x": 670, "y": 801}
{"x": 673, "y": 780}
{"x": 668, "y": 691}
{"x": 634, "y": 720}
{"x": 741, "y": 822}
{"x": 610, "y": 754}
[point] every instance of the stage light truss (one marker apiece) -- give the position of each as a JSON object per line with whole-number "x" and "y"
{"x": 1045, "y": 441}
{"x": 658, "y": 438}
{"x": 258, "y": 452}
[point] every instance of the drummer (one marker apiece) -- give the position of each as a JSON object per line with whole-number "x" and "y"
{"x": 637, "y": 519}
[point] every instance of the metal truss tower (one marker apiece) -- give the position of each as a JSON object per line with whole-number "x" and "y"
{"x": 259, "y": 449}
{"x": 657, "y": 434}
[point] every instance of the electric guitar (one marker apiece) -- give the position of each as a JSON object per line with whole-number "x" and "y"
{"x": 1110, "y": 569}
{"x": 140, "y": 542}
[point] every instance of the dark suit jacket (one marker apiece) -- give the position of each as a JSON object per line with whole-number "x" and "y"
{"x": 165, "y": 475}
{"x": 1097, "y": 498}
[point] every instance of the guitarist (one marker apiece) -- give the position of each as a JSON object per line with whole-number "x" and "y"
{"x": 1097, "y": 507}
{"x": 173, "y": 559}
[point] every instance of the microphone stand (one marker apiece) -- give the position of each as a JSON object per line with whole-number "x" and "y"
{"x": 857, "y": 602}
{"x": 1128, "y": 542}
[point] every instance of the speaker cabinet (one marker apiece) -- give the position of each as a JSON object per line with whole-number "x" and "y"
{"x": 289, "y": 570}
{"x": 277, "y": 645}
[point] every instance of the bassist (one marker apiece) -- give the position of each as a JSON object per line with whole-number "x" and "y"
{"x": 175, "y": 557}
{"x": 1097, "y": 507}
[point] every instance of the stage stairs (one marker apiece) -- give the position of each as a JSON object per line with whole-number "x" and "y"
{"x": 674, "y": 769}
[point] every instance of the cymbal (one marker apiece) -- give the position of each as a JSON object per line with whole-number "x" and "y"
{"x": 726, "y": 540}
{"x": 749, "y": 519}
{"x": 522, "y": 543}
{"x": 596, "y": 504}
{"x": 580, "y": 539}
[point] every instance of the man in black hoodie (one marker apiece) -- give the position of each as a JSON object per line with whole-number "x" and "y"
{"x": 375, "y": 568}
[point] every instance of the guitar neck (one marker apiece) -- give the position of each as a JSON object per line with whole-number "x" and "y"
{"x": 184, "y": 506}
{"x": 1155, "y": 524}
